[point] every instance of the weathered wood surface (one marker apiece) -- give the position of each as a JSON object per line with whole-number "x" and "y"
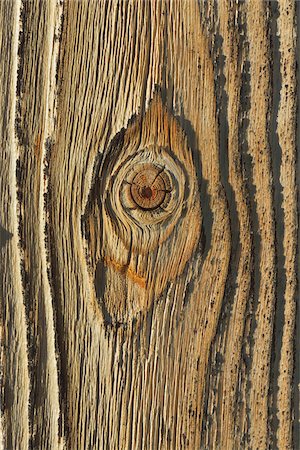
{"x": 148, "y": 207}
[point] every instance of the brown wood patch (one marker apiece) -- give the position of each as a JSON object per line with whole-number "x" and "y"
{"x": 132, "y": 236}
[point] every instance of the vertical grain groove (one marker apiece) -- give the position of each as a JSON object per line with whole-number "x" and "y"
{"x": 286, "y": 126}
{"x": 276, "y": 156}
{"x": 262, "y": 178}
{"x": 15, "y": 386}
{"x": 36, "y": 79}
{"x": 235, "y": 328}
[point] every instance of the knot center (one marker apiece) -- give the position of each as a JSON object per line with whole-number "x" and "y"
{"x": 147, "y": 192}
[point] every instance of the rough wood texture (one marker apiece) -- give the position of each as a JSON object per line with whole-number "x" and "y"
{"x": 146, "y": 195}
{"x": 149, "y": 221}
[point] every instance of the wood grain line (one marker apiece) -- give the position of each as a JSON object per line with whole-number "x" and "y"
{"x": 35, "y": 96}
{"x": 262, "y": 179}
{"x": 286, "y": 132}
{"x": 230, "y": 26}
{"x": 15, "y": 387}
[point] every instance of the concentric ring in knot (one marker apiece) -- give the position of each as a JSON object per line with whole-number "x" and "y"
{"x": 149, "y": 187}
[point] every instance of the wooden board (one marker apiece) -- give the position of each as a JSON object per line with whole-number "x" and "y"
{"x": 149, "y": 224}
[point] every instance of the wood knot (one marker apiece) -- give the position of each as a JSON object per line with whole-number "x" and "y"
{"x": 143, "y": 223}
{"x": 149, "y": 187}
